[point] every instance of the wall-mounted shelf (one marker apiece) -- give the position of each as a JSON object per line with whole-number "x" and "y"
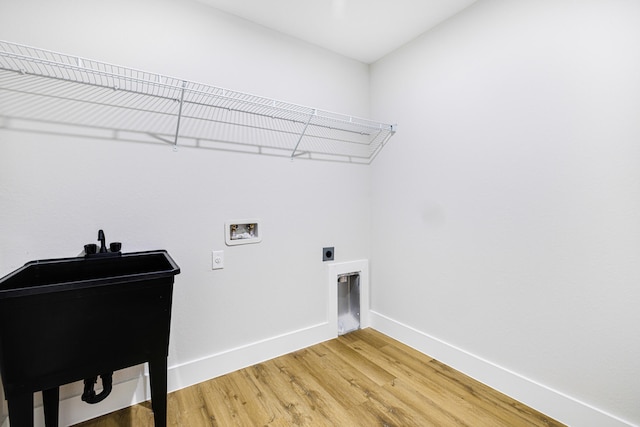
{"x": 49, "y": 87}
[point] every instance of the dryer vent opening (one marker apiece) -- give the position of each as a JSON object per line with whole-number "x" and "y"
{"x": 348, "y": 303}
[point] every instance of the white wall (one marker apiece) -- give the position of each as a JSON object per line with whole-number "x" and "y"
{"x": 57, "y": 191}
{"x": 506, "y": 212}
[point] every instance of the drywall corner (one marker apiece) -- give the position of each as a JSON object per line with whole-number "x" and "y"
{"x": 550, "y": 402}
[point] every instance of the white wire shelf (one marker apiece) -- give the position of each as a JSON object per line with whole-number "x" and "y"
{"x": 50, "y": 87}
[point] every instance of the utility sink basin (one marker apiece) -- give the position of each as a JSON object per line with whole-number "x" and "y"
{"x": 61, "y": 274}
{"x": 68, "y": 319}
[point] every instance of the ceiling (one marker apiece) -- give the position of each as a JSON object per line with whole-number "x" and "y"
{"x": 364, "y": 30}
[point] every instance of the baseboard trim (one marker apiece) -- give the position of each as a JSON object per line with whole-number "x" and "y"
{"x": 74, "y": 411}
{"x": 136, "y": 390}
{"x": 546, "y": 400}
{"x": 194, "y": 372}
{"x": 553, "y": 403}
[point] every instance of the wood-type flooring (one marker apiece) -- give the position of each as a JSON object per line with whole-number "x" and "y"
{"x": 359, "y": 379}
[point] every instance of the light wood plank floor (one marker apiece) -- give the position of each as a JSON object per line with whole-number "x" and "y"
{"x": 360, "y": 379}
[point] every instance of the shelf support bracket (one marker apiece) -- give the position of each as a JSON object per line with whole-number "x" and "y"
{"x": 313, "y": 113}
{"x": 175, "y": 141}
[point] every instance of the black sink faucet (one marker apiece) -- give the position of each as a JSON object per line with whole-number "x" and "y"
{"x": 103, "y": 245}
{"x": 91, "y": 249}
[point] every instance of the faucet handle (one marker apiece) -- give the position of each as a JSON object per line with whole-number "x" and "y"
{"x": 90, "y": 249}
{"x": 115, "y": 246}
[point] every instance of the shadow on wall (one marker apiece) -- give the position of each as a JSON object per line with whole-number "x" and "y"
{"x": 68, "y": 129}
{"x": 48, "y": 89}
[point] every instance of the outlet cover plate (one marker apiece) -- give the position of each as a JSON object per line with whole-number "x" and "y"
{"x": 217, "y": 260}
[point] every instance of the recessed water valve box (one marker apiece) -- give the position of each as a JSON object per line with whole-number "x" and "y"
{"x": 242, "y": 232}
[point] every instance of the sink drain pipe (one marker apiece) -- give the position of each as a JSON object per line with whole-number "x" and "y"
{"x": 90, "y": 395}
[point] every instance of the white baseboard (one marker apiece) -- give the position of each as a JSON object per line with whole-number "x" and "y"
{"x": 136, "y": 390}
{"x": 73, "y": 410}
{"x": 544, "y": 399}
{"x": 194, "y": 372}
{"x": 553, "y": 403}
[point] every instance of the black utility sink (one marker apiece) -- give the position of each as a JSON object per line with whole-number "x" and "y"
{"x": 69, "y": 319}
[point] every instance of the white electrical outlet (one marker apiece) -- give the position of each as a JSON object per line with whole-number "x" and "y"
{"x": 217, "y": 260}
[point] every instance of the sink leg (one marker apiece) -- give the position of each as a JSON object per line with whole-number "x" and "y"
{"x": 21, "y": 410}
{"x": 51, "y": 401}
{"x": 158, "y": 381}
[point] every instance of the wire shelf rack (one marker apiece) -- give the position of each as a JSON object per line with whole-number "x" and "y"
{"x": 45, "y": 86}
